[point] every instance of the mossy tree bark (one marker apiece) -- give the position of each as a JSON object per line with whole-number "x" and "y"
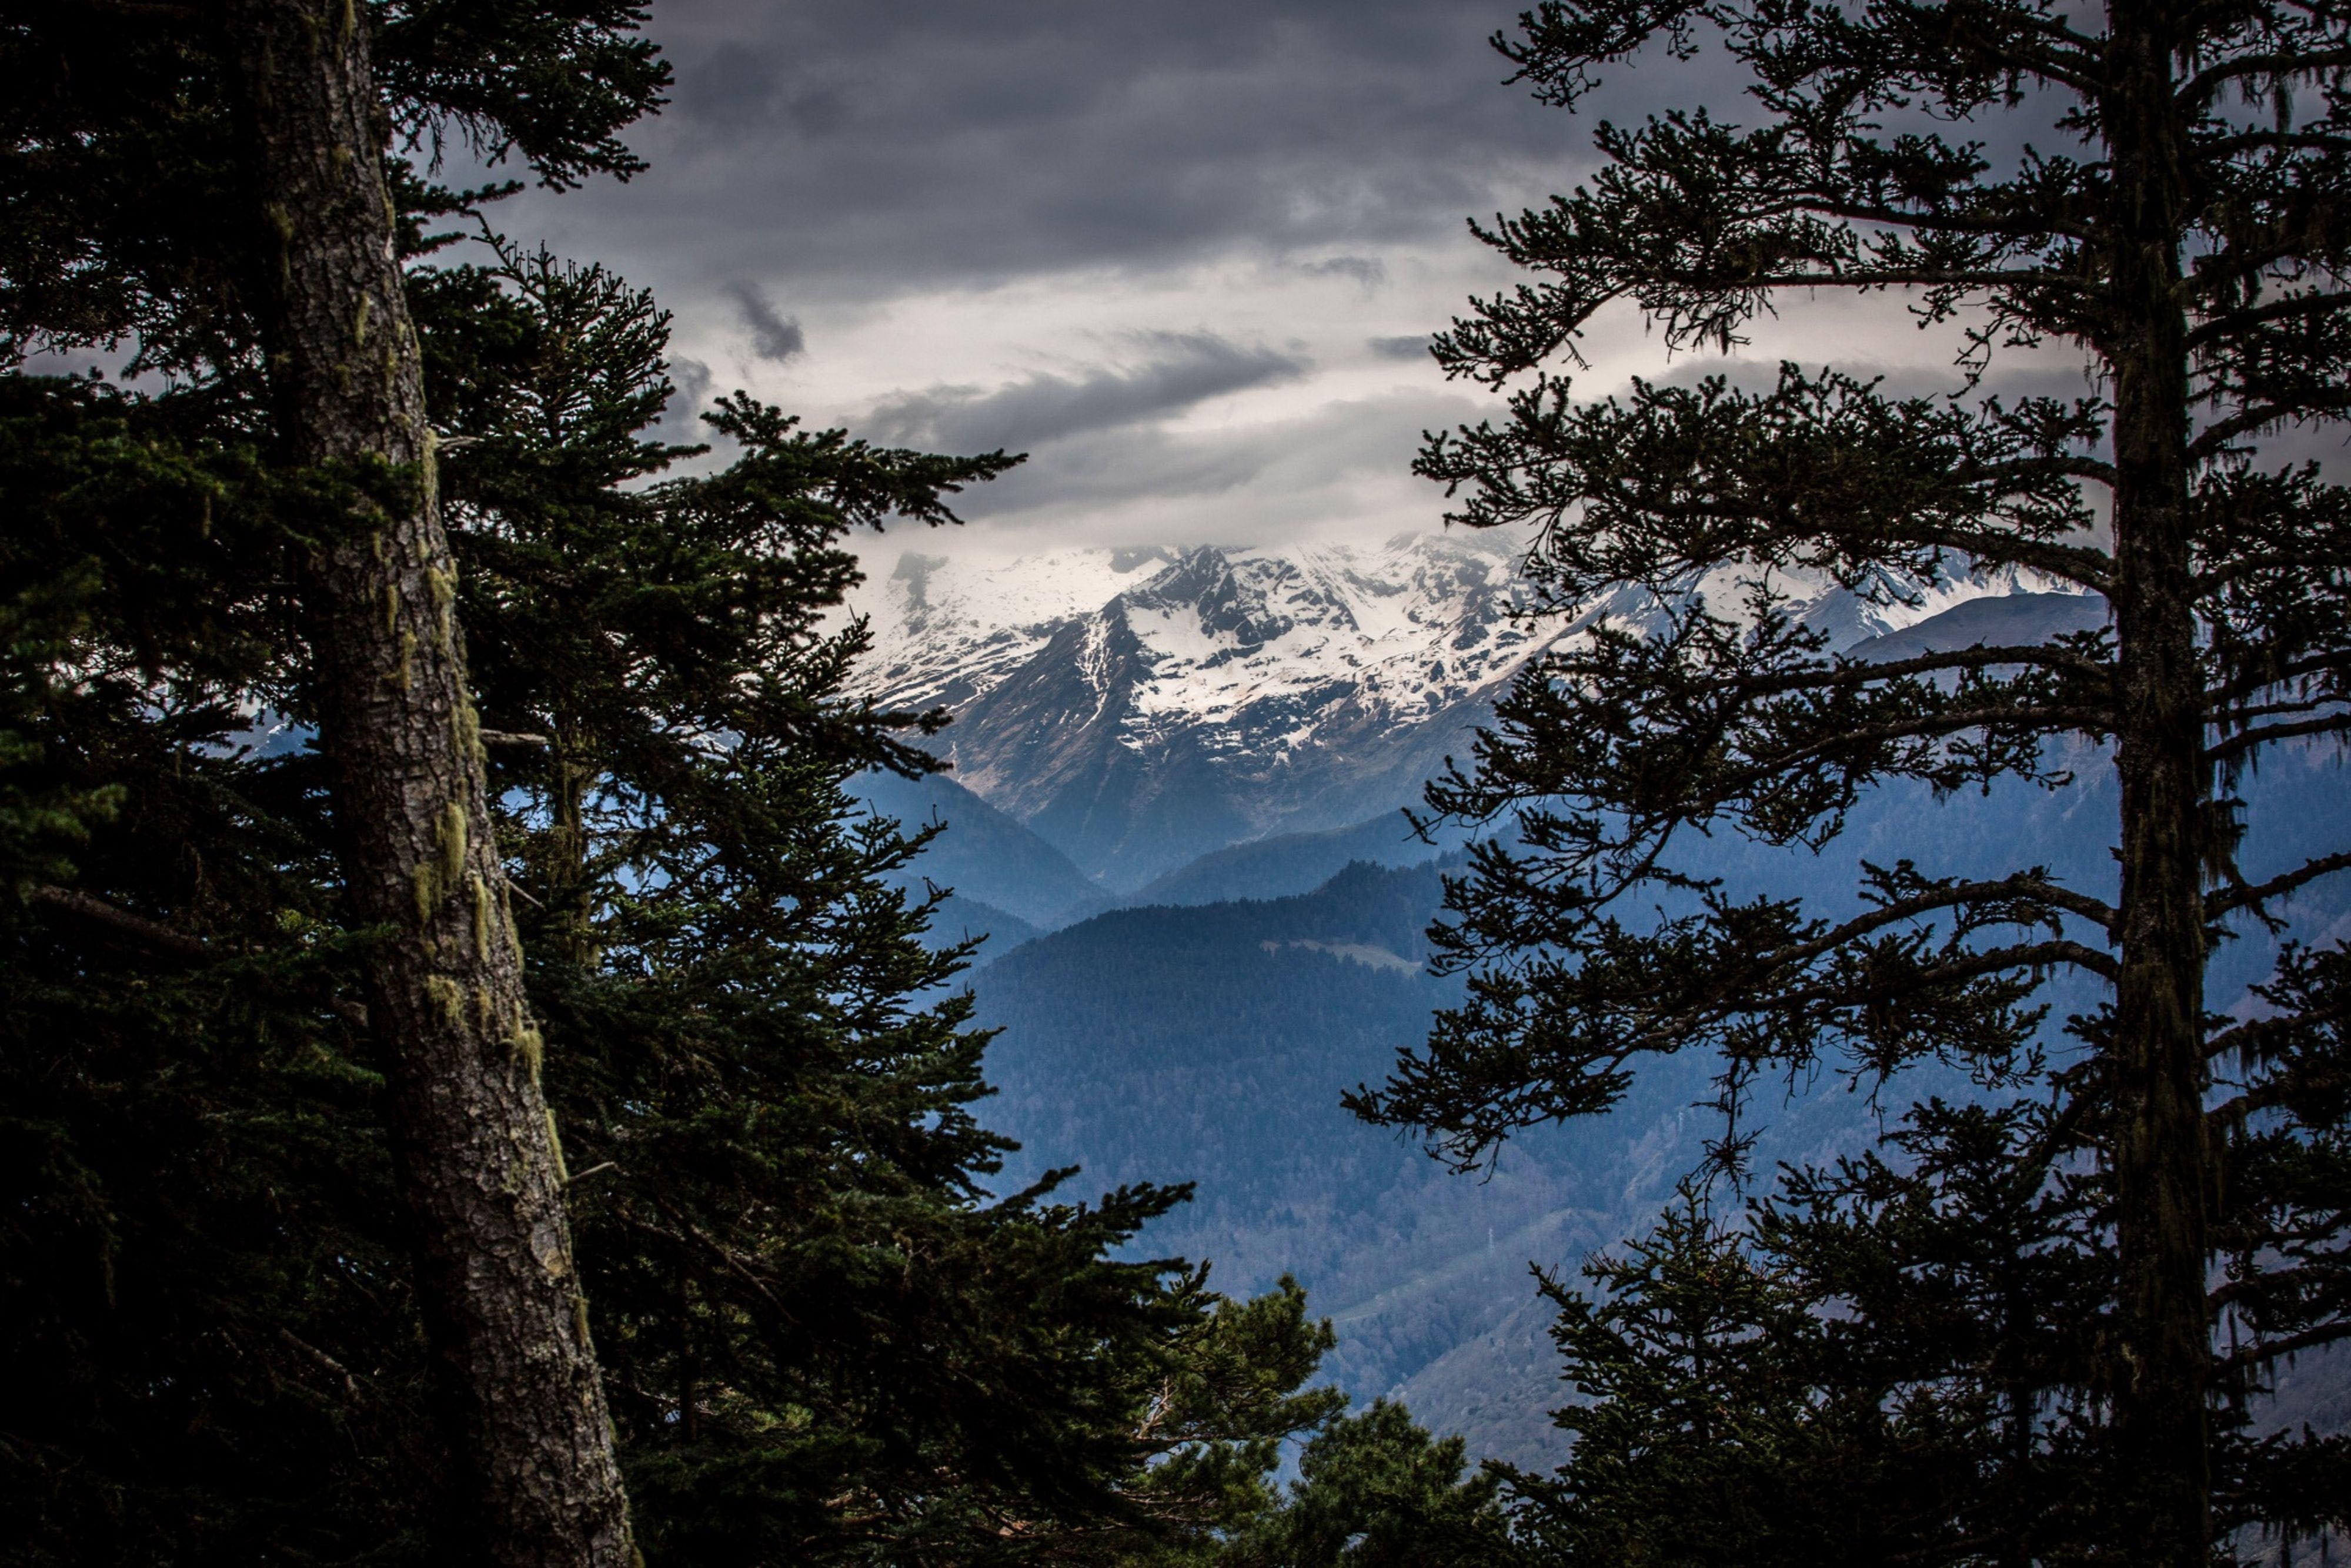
{"x": 2157, "y": 1149}
{"x": 479, "y": 1158}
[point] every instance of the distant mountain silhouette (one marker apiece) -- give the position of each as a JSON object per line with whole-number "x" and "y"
{"x": 2011, "y": 621}
{"x": 1287, "y": 863}
{"x": 1139, "y": 709}
{"x": 1222, "y": 738}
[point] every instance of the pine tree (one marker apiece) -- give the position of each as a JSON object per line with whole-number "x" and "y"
{"x": 274, "y": 269}
{"x": 825, "y": 1338}
{"x": 1376, "y": 1490}
{"x": 472, "y": 1131}
{"x": 1882, "y": 1363}
{"x": 1694, "y": 1417}
{"x": 1896, "y": 1358}
{"x": 1961, "y": 1290}
{"x": 210, "y": 1328}
{"x": 2185, "y": 243}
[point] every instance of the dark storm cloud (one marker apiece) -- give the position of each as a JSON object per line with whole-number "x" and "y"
{"x": 1182, "y": 368}
{"x": 773, "y": 335}
{"x": 1411, "y": 346}
{"x": 859, "y": 148}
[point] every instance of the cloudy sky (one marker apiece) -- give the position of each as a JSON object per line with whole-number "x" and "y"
{"x": 1185, "y": 255}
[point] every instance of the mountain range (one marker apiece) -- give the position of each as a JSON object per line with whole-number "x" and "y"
{"x": 1138, "y": 708}
{"x": 1174, "y": 810}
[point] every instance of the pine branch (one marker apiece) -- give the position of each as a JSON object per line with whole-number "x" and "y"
{"x": 2244, "y": 740}
{"x": 1981, "y": 656}
{"x": 122, "y": 922}
{"x": 2216, "y": 328}
{"x": 2199, "y": 92}
{"x": 2217, "y": 905}
{"x": 2216, "y": 437}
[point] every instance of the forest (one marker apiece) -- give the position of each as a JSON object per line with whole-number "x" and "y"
{"x": 479, "y": 1084}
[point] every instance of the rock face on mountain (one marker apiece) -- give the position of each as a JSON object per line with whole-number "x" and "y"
{"x": 1137, "y": 709}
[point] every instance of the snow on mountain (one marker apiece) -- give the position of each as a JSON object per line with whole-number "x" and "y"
{"x": 948, "y": 629}
{"x": 1139, "y": 707}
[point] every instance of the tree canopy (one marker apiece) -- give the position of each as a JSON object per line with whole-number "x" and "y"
{"x": 823, "y": 1333}
{"x": 2167, "y": 216}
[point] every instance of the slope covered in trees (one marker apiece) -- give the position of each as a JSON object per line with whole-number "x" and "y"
{"x": 1155, "y": 1042}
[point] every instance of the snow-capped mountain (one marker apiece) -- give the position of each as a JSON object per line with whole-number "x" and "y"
{"x": 1139, "y": 707}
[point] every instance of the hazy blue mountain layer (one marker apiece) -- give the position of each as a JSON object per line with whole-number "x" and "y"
{"x": 1290, "y": 863}
{"x": 1078, "y": 768}
{"x": 985, "y": 855}
{"x": 2009, "y": 621}
{"x": 957, "y": 919}
{"x": 1205, "y": 1030}
{"x": 1212, "y": 1042}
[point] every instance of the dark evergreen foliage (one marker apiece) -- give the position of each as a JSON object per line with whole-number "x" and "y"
{"x": 813, "y": 1314}
{"x": 2186, "y": 243}
{"x": 128, "y": 197}
{"x": 824, "y": 1338}
{"x": 1896, "y": 1358}
{"x": 211, "y": 1337}
{"x": 1374, "y": 1491}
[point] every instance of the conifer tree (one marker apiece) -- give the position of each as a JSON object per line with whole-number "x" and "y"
{"x": 2172, "y": 218}
{"x": 271, "y": 272}
{"x": 1699, "y": 1438}
{"x": 472, "y": 1130}
{"x": 1882, "y": 1363}
{"x": 826, "y": 1338}
{"x": 1376, "y": 1490}
{"x": 828, "y": 1341}
{"x": 1898, "y": 1358}
{"x": 208, "y": 1351}
{"x": 823, "y": 1338}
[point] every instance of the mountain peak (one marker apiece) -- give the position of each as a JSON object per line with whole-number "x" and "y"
{"x": 1137, "y": 707}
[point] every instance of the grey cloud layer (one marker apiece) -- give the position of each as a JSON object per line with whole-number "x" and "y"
{"x": 846, "y": 157}
{"x": 1185, "y": 369}
{"x": 1411, "y": 346}
{"x": 1288, "y": 468}
{"x": 850, "y": 146}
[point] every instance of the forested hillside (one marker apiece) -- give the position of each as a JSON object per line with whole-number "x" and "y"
{"x": 1211, "y": 1042}
{"x": 1214, "y": 1041}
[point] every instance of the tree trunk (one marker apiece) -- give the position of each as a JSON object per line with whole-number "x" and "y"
{"x": 478, "y": 1165}
{"x": 2158, "y": 1059}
